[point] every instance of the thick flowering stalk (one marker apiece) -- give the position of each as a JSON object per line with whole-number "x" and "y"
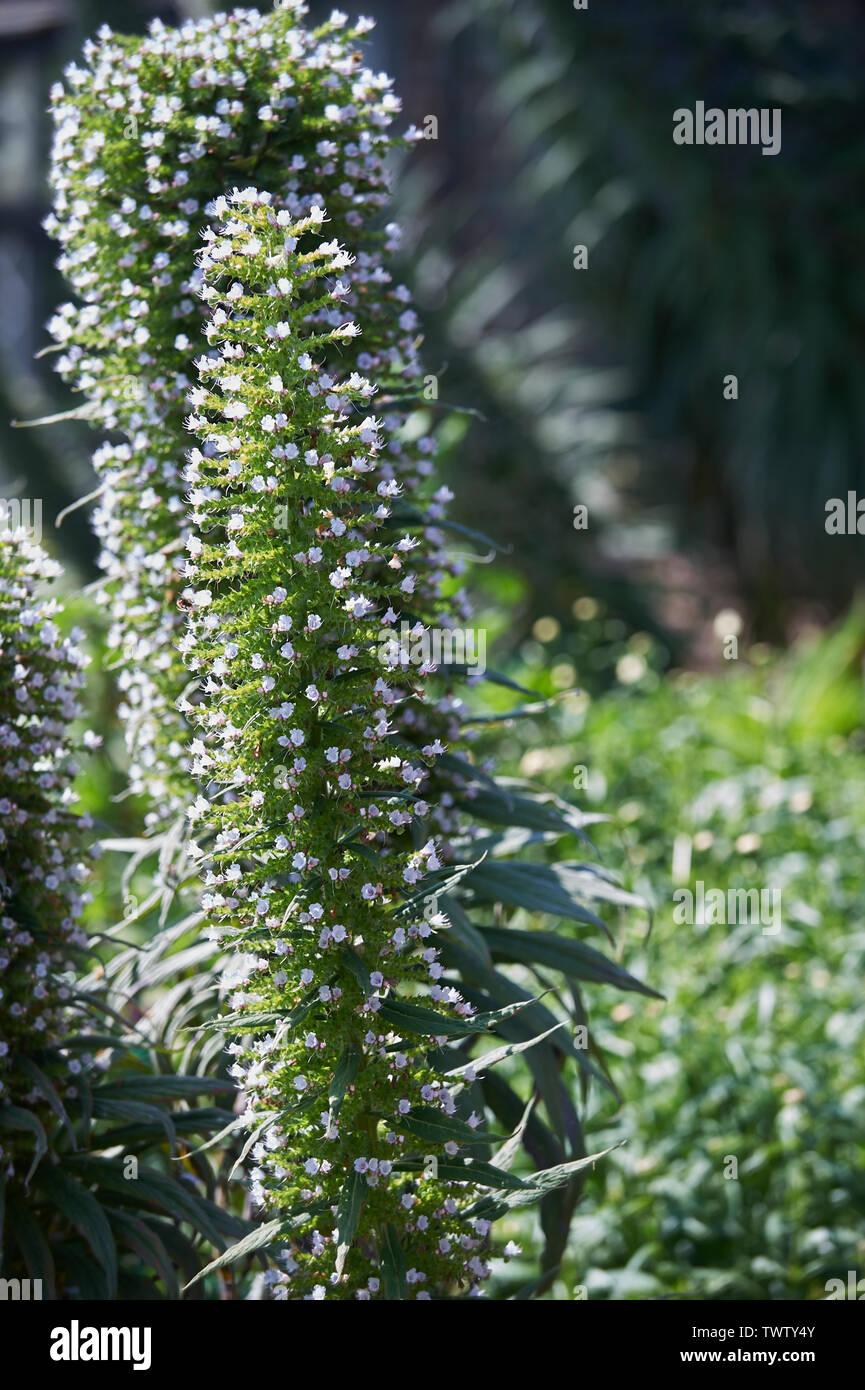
{"x": 148, "y": 133}
{"x": 41, "y": 864}
{"x": 314, "y": 827}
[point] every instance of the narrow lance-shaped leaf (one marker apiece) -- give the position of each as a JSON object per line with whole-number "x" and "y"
{"x": 260, "y": 1239}
{"x": 348, "y": 1215}
{"x": 392, "y": 1263}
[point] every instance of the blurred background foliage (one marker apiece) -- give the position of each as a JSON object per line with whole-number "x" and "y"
{"x": 603, "y": 387}
{"x": 751, "y": 780}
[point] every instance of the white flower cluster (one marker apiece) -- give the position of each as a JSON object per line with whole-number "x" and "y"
{"x": 311, "y": 824}
{"x": 149, "y": 132}
{"x": 325, "y": 798}
{"x": 41, "y": 869}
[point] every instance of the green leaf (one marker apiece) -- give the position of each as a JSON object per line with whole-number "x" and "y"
{"x": 81, "y": 1208}
{"x": 543, "y": 1146}
{"x": 234, "y": 1124}
{"x": 435, "y": 885}
{"x": 357, "y": 967}
{"x": 561, "y": 953}
{"x": 498, "y": 1054}
{"x": 461, "y": 768}
{"x": 188, "y": 1123}
{"x": 162, "y": 1088}
{"x": 95, "y": 1042}
{"x": 348, "y": 1214}
{"x": 434, "y": 1127}
{"x": 81, "y": 1275}
{"x": 496, "y": 678}
{"x": 241, "y": 1022}
{"x": 469, "y": 1170}
{"x": 180, "y": 1248}
{"x": 535, "y": 887}
{"x": 35, "y": 1250}
{"x": 365, "y": 851}
{"x": 146, "y": 1244}
{"x": 535, "y": 1018}
{"x": 482, "y": 1174}
{"x": 392, "y": 1264}
{"x": 267, "y": 1123}
{"x": 168, "y": 1195}
{"x": 505, "y": 1156}
{"x": 346, "y": 1071}
{"x": 534, "y": 1188}
{"x": 15, "y": 1117}
{"x": 550, "y": 1178}
{"x": 462, "y": 929}
{"x": 502, "y": 807}
{"x": 46, "y": 1088}
{"x": 153, "y": 1115}
{"x": 412, "y": 1018}
{"x": 259, "y": 1239}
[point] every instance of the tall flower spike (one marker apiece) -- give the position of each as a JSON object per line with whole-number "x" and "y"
{"x": 41, "y": 869}
{"x": 315, "y": 839}
{"x": 64, "y": 1089}
{"x": 147, "y": 134}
